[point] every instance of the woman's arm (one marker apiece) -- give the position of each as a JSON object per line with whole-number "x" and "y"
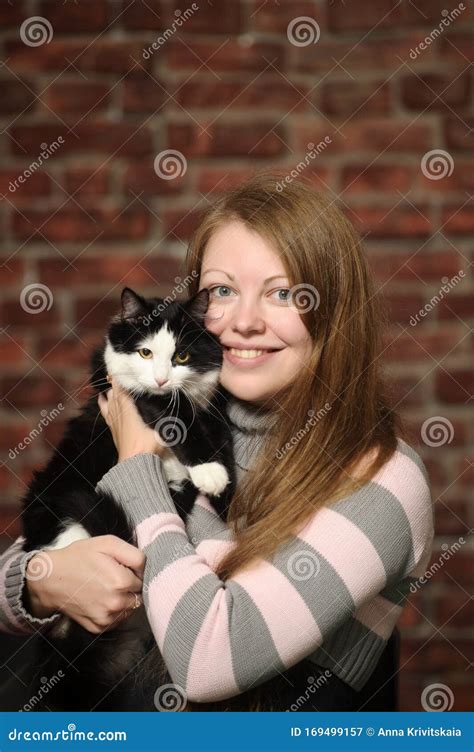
{"x": 217, "y": 637}
{"x": 16, "y": 615}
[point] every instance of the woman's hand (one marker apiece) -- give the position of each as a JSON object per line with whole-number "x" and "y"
{"x": 130, "y": 434}
{"x": 93, "y": 581}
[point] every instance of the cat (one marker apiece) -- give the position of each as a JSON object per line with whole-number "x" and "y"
{"x": 160, "y": 352}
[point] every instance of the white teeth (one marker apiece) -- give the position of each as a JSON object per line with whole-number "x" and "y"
{"x": 246, "y": 353}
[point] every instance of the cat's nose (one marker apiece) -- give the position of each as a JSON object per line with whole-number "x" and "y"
{"x": 161, "y": 382}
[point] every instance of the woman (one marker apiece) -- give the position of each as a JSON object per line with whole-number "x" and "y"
{"x": 305, "y": 584}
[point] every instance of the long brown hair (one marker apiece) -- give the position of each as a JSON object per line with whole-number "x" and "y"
{"x": 336, "y": 413}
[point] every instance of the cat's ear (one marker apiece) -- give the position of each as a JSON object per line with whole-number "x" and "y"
{"x": 196, "y": 307}
{"x": 133, "y": 305}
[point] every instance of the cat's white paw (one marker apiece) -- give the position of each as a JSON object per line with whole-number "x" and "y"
{"x": 210, "y": 477}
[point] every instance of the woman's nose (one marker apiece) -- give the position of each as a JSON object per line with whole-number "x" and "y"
{"x": 248, "y": 317}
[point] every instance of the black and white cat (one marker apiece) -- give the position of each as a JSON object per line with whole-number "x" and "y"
{"x": 163, "y": 356}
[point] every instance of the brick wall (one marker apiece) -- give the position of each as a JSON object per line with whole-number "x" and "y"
{"x": 233, "y": 87}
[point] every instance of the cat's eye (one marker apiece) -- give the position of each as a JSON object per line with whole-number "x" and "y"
{"x": 144, "y": 352}
{"x": 182, "y": 357}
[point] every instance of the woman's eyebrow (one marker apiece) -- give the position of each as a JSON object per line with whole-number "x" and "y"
{"x": 275, "y": 276}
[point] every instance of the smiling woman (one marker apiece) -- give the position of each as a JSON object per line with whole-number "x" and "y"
{"x": 332, "y": 516}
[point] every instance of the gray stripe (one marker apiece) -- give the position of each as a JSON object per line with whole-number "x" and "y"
{"x": 399, "y": 592}
{"x": 190, "y": 611}
{"x": 163, "y": 551}
{"x": 203, "y": 525}
{"x": 407, "y": 450}
{"x": 351, "y": 653}
{"x": 253, "y": 651}
{"x": 316, "y": 581}
{"x": 375, "y": 510}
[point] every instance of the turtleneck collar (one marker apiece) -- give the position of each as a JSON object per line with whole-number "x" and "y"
{"x": 249, "y": 418}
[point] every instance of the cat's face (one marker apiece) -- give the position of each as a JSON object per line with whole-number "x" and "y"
{"x": 156, "y": 348}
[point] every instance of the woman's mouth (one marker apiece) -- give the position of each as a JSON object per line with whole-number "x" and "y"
{"x": 247, "y": 358}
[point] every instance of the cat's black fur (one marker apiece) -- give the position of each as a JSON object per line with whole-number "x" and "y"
{"x": 97, "y": 668}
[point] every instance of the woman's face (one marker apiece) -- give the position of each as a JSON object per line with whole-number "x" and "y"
{"x": 250, "y": 311}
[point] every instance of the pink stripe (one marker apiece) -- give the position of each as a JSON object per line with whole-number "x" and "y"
{"x": 402, "y": 477}
{"x": 348, "y": 550}
{"x": 210, "y": 672}
{"x": 203, "y": 501}
{"x": 213, "y": 551}
{"x": 380, "y": 615}
{"x": 162, "y": 522}
{"x": 289, "y": 620}
{"x": 167, "y": 588}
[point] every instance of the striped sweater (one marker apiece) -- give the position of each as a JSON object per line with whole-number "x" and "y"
{"x": 333, "y": 594}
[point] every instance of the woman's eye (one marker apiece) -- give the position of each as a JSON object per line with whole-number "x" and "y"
{"x": 182, "y": 357}
{"x": 217, "y": 287}
{"x": 286, "y": 299}
{"x": 144, "y": 352}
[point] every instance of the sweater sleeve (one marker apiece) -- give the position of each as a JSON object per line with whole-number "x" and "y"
{"x": 220, "y": 638}
{"x": 14, "y": 617}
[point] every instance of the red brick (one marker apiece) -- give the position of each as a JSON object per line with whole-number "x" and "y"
{"x": 10, "y": 518}
{"x": 243, "y": 139}
{"x": 37, "y": 183}
{"x": 276, "y": 92}
{"x": 461, "y": 179}
{"x": 114, "y": 139}
{"x": 141, "y": 178}
{"x": 412, "y": 614}
{"x": 411, "y": 690}
{"x": 74, "y": 225}
{"x": 14, "y": 351}
{"x": 227, "y": 18}
{"x": 355, "y": 99}
{"x": 179, "y": 224}
{"x": 275, "y": 17}
{"x": 386, "y": 13}
{"x": 408, "y": 391}
{"x": 415, "y": 265}
{"x": 371, "y": 52}
{"x": 431, "y": 12}
{"x": 17, "y": 315}
{"x": 402, "y": 306}
{"x": 86, "y": 181}
{"x": 143, "y": 14}
{"x": 76, "y": 18}
{"x": 373, "y": 135}
{"x": 455, "y": 386}
{"x": 417, "y": 344}
{"x": 403, "y": 221}
{"x": 456, "y": 47}
{"x": 220, "y": 179}
{"x": 79, "y": 97}
{"x": 31, "y": 391}
{"x": 17, "y": 97}
{"x": 145, "y": 94}
{"x": 456, "y": 305}
{"x": 11, "y": 272}
{"x": 12, "y": 14}
{"x": 121, "y": 269}
{"x": 452, "y": 516}
{"x": 54, "y": 352}
{"x": 459, "y": 132}
{"x": 103, "y": 56}
{"x": 92, "y": 313}
{"x": 435, "y": 91}
{"x": 439, "y": 654}
{"x": 386, "y": 178}
{"x": 458, "y": 219}
{"x": 231, "y": 54}
{"x": 450, "y": 602}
